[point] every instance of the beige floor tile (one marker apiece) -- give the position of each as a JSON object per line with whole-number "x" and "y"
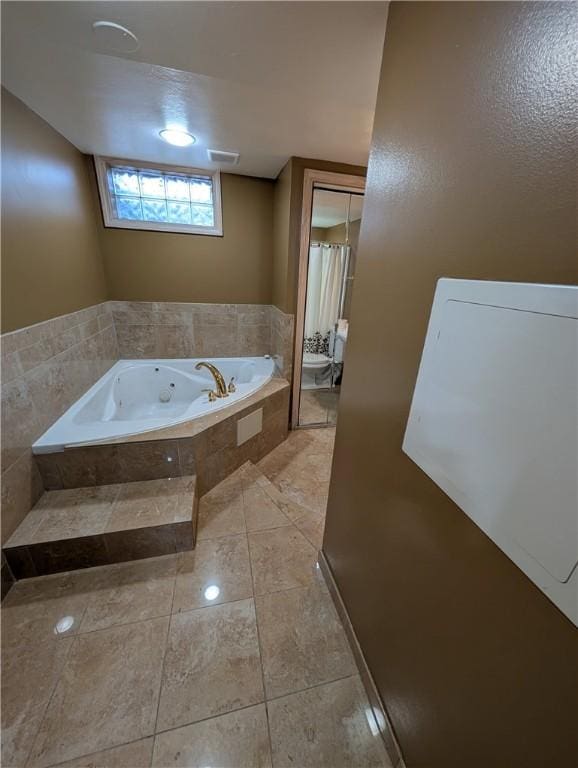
{"x": 107, "y": 694}
{"x": 302, "y": 640}
{"x": 261, "y": 512}
{"x": 312, "y": 526}
{"x": 318, "y": 406}
{"x": 281, "y": 457}
{"x": 134, "y": 755}
{"x": 215, "y": 564}
{"x": 221, "y": 512}
{"x": 319, "y": 464}
{"x": 281, "y": 558}
{"x": 35, "y": 610}
{"x": 236, "y": 740}
{"x": 212, "y": 665}
{"x": 289, "y": 508}
{"x": 325, "y": 727}
{"x": 29, "y": 674}
{"x": 129, "y": 592}
{"x": 309, "y": 493}
{"x": 324, "y": 440}
{"x": 152, "y": 502}
{"x": 300, "y": 468}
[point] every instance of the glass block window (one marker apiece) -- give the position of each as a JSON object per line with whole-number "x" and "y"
{"x": 139, "y": 196}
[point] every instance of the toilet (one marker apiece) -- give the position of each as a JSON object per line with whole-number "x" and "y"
{"x": 315, "y": 370}
{"x": 316, "y": 367}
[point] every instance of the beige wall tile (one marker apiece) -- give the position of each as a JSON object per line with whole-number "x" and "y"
{"x": 21, "y": 489}
{"x": 254, "y": 340}
{"x": 56, "y": 361}
{"x": 174, "y": 341}
{"x": 20, "y": 425}
{"x": 136, "y": 341}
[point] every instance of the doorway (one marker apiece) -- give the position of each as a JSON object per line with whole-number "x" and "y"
{"x": 330, "y": 233}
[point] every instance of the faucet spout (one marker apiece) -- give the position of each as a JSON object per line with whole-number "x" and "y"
{"x": 221, "y": 387}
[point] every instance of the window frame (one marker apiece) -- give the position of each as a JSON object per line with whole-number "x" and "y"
{"x": 102, "y": 165}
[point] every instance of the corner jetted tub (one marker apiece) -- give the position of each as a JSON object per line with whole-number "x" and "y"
{"x": 137, "y": 396}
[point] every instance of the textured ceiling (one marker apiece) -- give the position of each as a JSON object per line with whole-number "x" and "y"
{"x": 268, "y": 79}
{"x": 331, "y": 208}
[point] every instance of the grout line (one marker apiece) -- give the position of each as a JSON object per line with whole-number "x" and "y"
{"x": 49, "y": 700}
{"x": 213, "y": 605}
{"x": 212, "y": 717}
{"x": 53, "y": 357}
{"x": 259, "y": 642}
{"x": 75, "y": 638}
{"x": 106, "y": 749}
{"x": 58, "y": 317}
{"x": 119, "y": 626}
{"x": 312, "y": 687}
{"x": 162, "y": 675}
{"x": 264, "y": 702}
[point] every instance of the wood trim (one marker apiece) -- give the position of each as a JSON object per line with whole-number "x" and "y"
{"x": 379, "y": 712}
{"x": 340, "y": 182}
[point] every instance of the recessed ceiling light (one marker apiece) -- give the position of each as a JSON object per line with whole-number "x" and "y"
{"x": 177, "y": 137}
{"x": 115, "y": 38}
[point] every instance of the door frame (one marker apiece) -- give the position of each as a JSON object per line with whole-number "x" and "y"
{"x": 340, "y": 182}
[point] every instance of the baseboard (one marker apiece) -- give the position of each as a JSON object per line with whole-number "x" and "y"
{"x": 380, "y": 714}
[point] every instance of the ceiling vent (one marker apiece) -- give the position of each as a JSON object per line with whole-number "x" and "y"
{"x": 222, "y": 158}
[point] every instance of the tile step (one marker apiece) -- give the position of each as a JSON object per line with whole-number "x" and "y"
{"x": 99, "y": 525}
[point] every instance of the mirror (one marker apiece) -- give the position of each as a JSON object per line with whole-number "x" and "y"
{"x": 334, "y": 235}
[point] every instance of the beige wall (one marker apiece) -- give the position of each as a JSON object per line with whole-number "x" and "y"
{"x": 336, "y": 234}
{"x": 287, "y": 225}
{"x": 50, "y": 257}
{"x": 281, "y": 218}
{"x": 471, "y": 175}
{"x": 318, "y": 233}
{"x": 236, "y": 268}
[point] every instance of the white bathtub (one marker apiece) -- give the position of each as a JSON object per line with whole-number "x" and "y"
{"x": 137, "y": 396}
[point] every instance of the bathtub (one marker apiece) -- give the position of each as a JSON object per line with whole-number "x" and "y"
{"x": 137, "y": 396}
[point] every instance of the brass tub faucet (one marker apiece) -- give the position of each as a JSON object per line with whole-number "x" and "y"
{"x": 221, "y": 387}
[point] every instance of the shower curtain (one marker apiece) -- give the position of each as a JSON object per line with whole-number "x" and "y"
{"x": 326, "y": 272}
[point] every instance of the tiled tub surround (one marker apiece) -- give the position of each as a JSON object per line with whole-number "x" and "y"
{"x": 74, "y": 525}
{"x": 136, "y": 397}
{"x": 282, "y": 328}
{"x": 206, "y": 447}
{"x": 45, "y": 368}
{"x": 183, "y": 330}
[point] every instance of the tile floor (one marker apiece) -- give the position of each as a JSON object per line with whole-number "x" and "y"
{"x": 230, "y": 655}
{"x": 318, "y": 406}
